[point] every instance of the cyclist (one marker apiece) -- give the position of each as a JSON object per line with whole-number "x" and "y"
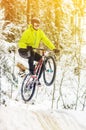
{"x": 30, "y": 39}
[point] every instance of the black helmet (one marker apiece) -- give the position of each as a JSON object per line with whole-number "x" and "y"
{"x": 35, "y": 20}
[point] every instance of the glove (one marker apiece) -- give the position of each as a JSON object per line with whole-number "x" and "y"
{"x": 56, "y": 51}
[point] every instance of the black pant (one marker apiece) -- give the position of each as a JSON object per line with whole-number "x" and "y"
{"x": 33, "y": 57}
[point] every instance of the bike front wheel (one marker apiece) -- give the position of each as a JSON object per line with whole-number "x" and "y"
{"x": 28, "y": 88}
{"x": 49, "y": 72}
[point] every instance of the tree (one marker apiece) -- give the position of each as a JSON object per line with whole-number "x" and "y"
{"x": 13, "y": 10}
{"x": 9, "y": 12}
{"x": 32, "y": 9}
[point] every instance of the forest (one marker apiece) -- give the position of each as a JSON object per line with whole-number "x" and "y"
{"x": 64, "y": 22}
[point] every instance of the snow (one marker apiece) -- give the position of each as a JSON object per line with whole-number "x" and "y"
{"x": 21, "y": 116}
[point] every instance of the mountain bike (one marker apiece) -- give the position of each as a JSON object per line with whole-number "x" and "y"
{"x": 30, "y": 81}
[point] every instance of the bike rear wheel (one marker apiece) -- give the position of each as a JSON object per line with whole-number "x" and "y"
{"x": 28, "y": 88}
{"x": 49, "y": 72}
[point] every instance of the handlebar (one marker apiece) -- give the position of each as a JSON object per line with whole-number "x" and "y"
{"x": 39, "y": 49}
{"x": 55, "y": 51}
{"x": 44, "y": 52}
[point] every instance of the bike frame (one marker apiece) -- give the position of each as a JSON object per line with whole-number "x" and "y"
{"x": 38, "y": 66}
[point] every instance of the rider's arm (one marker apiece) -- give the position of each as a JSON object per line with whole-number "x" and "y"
{"x": 23, "y": 40}
{"x": 47, "y": 42}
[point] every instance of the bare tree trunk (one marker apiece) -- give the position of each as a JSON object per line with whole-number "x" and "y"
{"x": 79, "y": 55}
{"x": 32, "y": 10}
{"x": 35, "y": 8}
{"x": 60, "y": 91}
{"x": 84, "y": 104}
{"x": 53, "y": 95}
{"x": 28, "y": 11}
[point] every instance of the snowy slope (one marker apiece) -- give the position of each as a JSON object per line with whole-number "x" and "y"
{"x": 28, "y": 117}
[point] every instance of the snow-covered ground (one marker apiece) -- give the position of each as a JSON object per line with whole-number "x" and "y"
{"x": 21, "y": 116}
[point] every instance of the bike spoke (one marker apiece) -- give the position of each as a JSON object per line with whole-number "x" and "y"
{"x": 28, "y": 88}
{"x": 50, "y": 70}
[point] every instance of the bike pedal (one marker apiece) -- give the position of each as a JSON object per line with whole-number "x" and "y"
{"x": 49, "y": 70}
{"x": 34, "y": 76}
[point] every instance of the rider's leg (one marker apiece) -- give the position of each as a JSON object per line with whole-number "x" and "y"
{"x": 37, "y": 57}
{"x": 31, "y": 61}
{"x": 41, "y": 72}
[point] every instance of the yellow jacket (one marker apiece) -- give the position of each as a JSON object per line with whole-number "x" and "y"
{"x": 32, "y": 37}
